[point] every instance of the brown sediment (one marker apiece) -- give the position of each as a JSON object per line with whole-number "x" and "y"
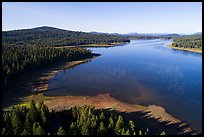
{"x": 104, "y": 101}
{"x": 184, "y": 49}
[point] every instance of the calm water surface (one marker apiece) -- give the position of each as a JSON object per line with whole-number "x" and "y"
{"x": 144, "y": 72}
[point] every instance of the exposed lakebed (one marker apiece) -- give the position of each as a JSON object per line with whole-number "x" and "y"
{"x": 140, "y": 72}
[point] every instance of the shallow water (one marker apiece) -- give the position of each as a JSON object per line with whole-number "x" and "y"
{"x": 144, "y": 72}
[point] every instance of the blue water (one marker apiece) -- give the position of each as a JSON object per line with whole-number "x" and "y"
{"x": 144, "y": 72}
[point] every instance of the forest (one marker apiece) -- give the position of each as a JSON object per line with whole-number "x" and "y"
{"x": 39, "y": 120}
{"x": 190, "y": 42}
{"x": 20, "y": 59}
{"x": 30, "y": 49}
{"x": 49, "y": 36}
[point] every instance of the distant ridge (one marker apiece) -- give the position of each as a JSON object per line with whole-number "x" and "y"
{"x": 50, "y": 36}
{"x": 197, "y": 33}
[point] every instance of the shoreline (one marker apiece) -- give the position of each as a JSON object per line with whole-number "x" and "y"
{"x": 94, "y": 45}
{"x": 100, "y": 101}
{"x": 103, "y": 101}
{"x": 37, "y": 81}
{"x": 184, "y": 49}
{"x": 43, "y": 80}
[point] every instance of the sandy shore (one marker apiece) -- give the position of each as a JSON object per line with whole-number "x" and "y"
{"x": 185, "y": 49}
{"x": 102, "y": 101}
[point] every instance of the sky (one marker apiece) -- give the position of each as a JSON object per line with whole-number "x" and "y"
{"x": 111, "y": 17}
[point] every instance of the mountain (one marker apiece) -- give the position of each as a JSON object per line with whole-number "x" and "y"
{"x": 197, "y": 33}
{"x": 50, "y": 36}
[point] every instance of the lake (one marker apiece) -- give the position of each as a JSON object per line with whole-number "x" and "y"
{"x": 140, "y": 72}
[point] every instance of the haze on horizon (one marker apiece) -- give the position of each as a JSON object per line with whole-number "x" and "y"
{"x": 108, "y": 17}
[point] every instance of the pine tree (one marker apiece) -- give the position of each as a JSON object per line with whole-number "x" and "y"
{"x": 127, "y": 132}
{"x": 162, "y": 133}
{"x": 61, "y": 131}
{"x": 131, "y": 126}
{"x": 140, "y": 132}
{"x": 84, "y": 130}
{"x": 16, "y": 123}
{"x": 90, "y": 112}
{"x": 39, "y": 131}
{"x": 123, "y": 132}
{"x": 32, "y": 105}
{"x": 25, "y": 132}
{"x": 15, "y": 120}
{"x": 7, "y": 120}
{"x": 32, "y": 115}
{"x": 93, "y": 125}
{"x": 102, "y": 129}
{"x": 111, "y": 123}
{"x": 28, "y": 126}
{"x": 102, "y": 117}
{"x": 73, "y": 129}
{"x": 4, "y": 131}
{"x": 119, "y": 125}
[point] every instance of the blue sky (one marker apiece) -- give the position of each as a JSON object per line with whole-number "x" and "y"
{"x": 115, "y": 17}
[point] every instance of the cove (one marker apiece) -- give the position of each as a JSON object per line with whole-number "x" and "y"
{"x": 140, "y": 72}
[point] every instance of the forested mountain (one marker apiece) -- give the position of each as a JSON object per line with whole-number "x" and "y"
{"x": 39, "y": 120}
{"x": 49, "y": 36}
{"x": 188, "y": 41}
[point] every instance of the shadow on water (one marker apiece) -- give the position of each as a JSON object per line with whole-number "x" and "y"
{"x": 141, "y": 119}
{"x": 22, "y": 86}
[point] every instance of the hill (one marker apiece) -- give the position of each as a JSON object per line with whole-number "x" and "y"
{"x": 49, "y": 36}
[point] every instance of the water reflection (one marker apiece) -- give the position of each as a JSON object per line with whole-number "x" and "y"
{"x": 143, "y": 71}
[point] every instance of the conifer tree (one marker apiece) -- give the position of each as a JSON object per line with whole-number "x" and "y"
{"x": 102, "y": 130}
{"x": 102, "y": 117}
{"x": 39, "y": 130}
{"x": 131, "y": 126}
{"x": 123, "y": 131}
{"x": 127, "y": 132}
{"x": 162, "y": 133}
{"x": 73, "y": 129}
{"x": 119, "y": 124}
{"x": 61, "y": 131}
{"x": 140, "y": 132}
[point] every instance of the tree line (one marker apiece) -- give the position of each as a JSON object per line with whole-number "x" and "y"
{"x": 49, "y": 36}
{"x": 39, "y": 120}
{"x": 190, "y": 41}
{"x": 20, "y": 59}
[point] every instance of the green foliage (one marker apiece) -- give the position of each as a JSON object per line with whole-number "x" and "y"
{"x": 132, "y": 127}
{"x": 56, "y": 37}
{"x": 19, "y": 60}
{"x": 102, "y": 130}
{"x": 190, "y": 41}
{"x": 119, "y": 125}
{"x": 73, "y": 129}
{"x": 85, "y": 121}
{"x": 140, "y": 132}
{"x": 39, "y": 131}
{"x": 162, "y": 133}
{"x": 61, "y": 131}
